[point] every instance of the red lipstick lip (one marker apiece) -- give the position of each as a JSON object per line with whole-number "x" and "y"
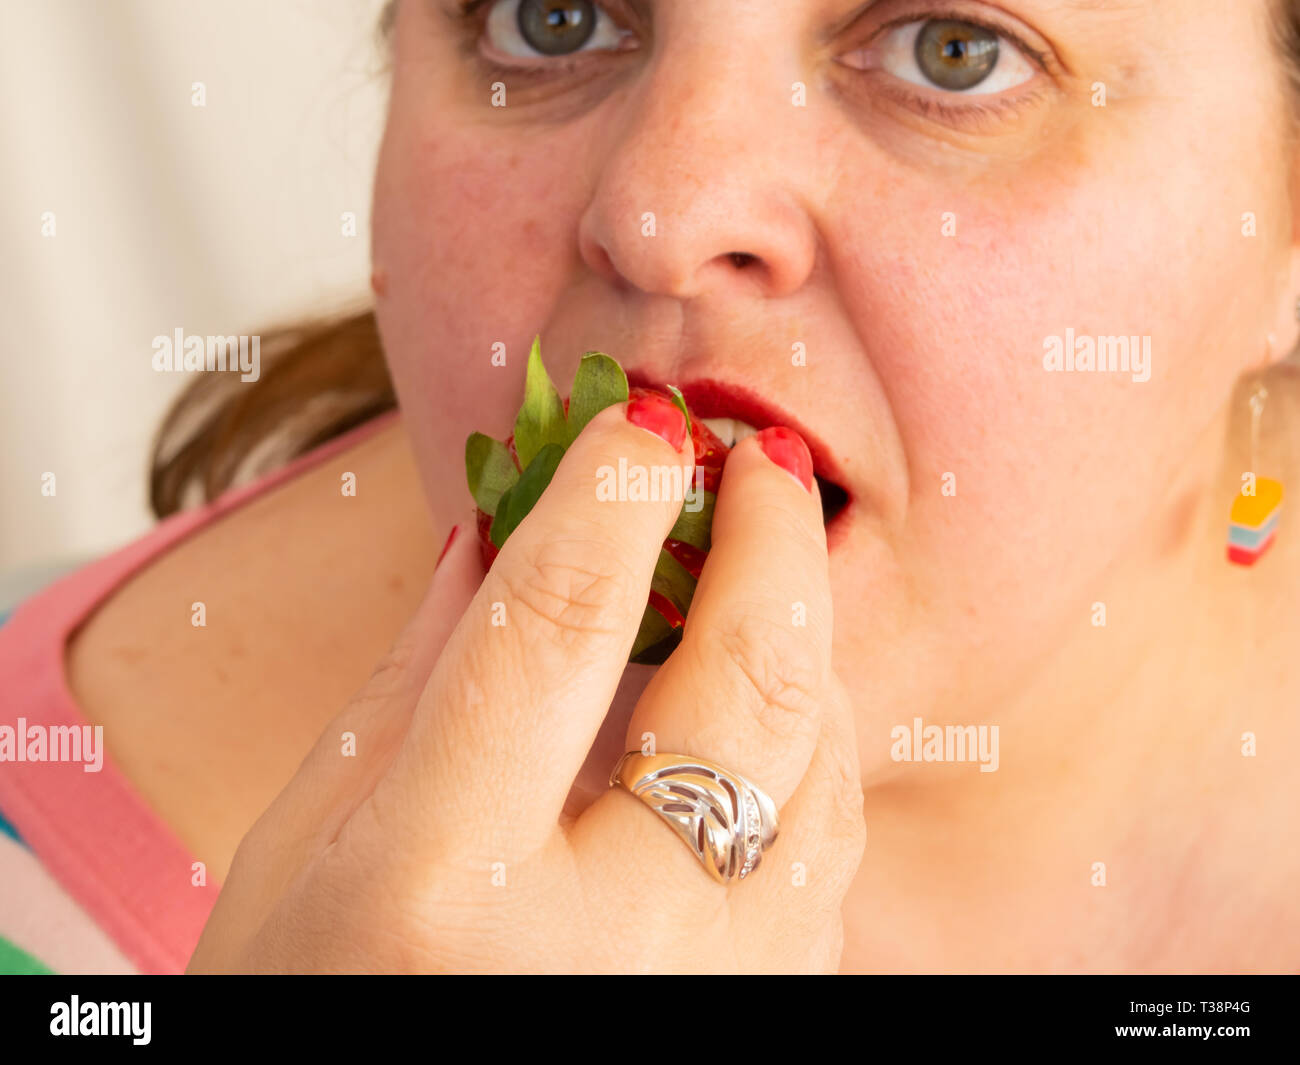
{"x": 711, "y": 398}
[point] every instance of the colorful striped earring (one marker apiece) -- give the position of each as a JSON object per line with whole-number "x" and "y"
{"x": 1252, "y": 526}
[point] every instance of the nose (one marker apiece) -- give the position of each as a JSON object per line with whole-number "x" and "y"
{"x": 700, "y": 189}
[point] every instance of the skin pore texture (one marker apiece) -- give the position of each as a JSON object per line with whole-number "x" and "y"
{"x": 1119, "y": 744}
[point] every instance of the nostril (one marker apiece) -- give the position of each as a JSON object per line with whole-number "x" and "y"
{"x": 741, "y": 258}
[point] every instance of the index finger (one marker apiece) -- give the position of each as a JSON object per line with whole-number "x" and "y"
{"x": 519, "y": 693}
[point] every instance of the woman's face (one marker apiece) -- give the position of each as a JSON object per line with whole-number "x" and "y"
{"x": 924, "y": 207}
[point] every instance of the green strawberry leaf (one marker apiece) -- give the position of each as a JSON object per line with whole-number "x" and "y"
{"x": 692, "y": 527}
{"x": 654, "y": 640}
{"x": 517, "y": 501}
{"x": 541, "y": 418}
{"x": 680, "y": 401}
{"x": 673, "y": 581}
{"x": 599, "y": 383}
{"x": 490, "y": 471}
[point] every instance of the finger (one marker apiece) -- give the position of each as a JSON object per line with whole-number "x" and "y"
{"x": 808, "y": 870}
{"x": 744, "y": 687}
{"x": 349, "y": 757}
{"x": 803, "y": 876}
{"x": 518, "y": 696}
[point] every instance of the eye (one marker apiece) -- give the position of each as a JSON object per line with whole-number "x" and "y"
{"x": 948, "y": 54}
{"x": 526, "y": 29}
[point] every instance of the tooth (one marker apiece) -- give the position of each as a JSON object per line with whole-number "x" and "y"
{"x": 723, "y": 428}
{"x": 731, "y": 431}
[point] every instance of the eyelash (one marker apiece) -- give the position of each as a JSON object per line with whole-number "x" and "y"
{"x": 994, "y": 107}
{"x": 471, "y": 17}
{"x": 988, "y": 25}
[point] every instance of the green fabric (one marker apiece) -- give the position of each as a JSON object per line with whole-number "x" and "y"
{"x": 14, "y": 961}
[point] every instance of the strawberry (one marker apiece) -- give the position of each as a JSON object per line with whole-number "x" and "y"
{"x": 506, "y": 479}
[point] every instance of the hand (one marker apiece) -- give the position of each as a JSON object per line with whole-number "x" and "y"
{"x": 441, "y": 845}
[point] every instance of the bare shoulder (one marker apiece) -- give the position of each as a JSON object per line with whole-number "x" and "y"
{"x": 215, "y": 668}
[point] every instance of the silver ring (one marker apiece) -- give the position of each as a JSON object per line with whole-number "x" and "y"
{"x": 726, "y": 821}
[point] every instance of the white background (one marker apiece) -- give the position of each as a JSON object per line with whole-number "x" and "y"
{"x": 219, "y": 220}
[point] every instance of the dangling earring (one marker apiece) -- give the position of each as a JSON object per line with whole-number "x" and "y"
{"x": 1252, "y": 525}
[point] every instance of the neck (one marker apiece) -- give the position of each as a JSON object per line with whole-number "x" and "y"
{"x": 1121, "y": 748}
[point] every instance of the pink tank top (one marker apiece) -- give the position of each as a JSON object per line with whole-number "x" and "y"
{"x": 91, "y": 879}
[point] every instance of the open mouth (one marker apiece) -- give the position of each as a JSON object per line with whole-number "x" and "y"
{"x": 733, "y": 413}
{"x": 731, "y": 431}
{"x": 834, "y": 499}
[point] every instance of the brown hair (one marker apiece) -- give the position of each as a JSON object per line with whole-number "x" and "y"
{"x": 321, "y": 378}
{"x": 1286, "y": 34}
{"x": 318, "y": 379}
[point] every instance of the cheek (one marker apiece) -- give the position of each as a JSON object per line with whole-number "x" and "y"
{"x": 1104, "y": 240}
{"x": 475, "y": 239}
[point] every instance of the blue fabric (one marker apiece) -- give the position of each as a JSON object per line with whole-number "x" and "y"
{"x": 7, "y": 829}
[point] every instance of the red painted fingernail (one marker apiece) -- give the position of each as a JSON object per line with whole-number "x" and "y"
{"x": 447, "y": 546}
{"x": 786, "y": 448}
{"x": 660, "y": 416}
